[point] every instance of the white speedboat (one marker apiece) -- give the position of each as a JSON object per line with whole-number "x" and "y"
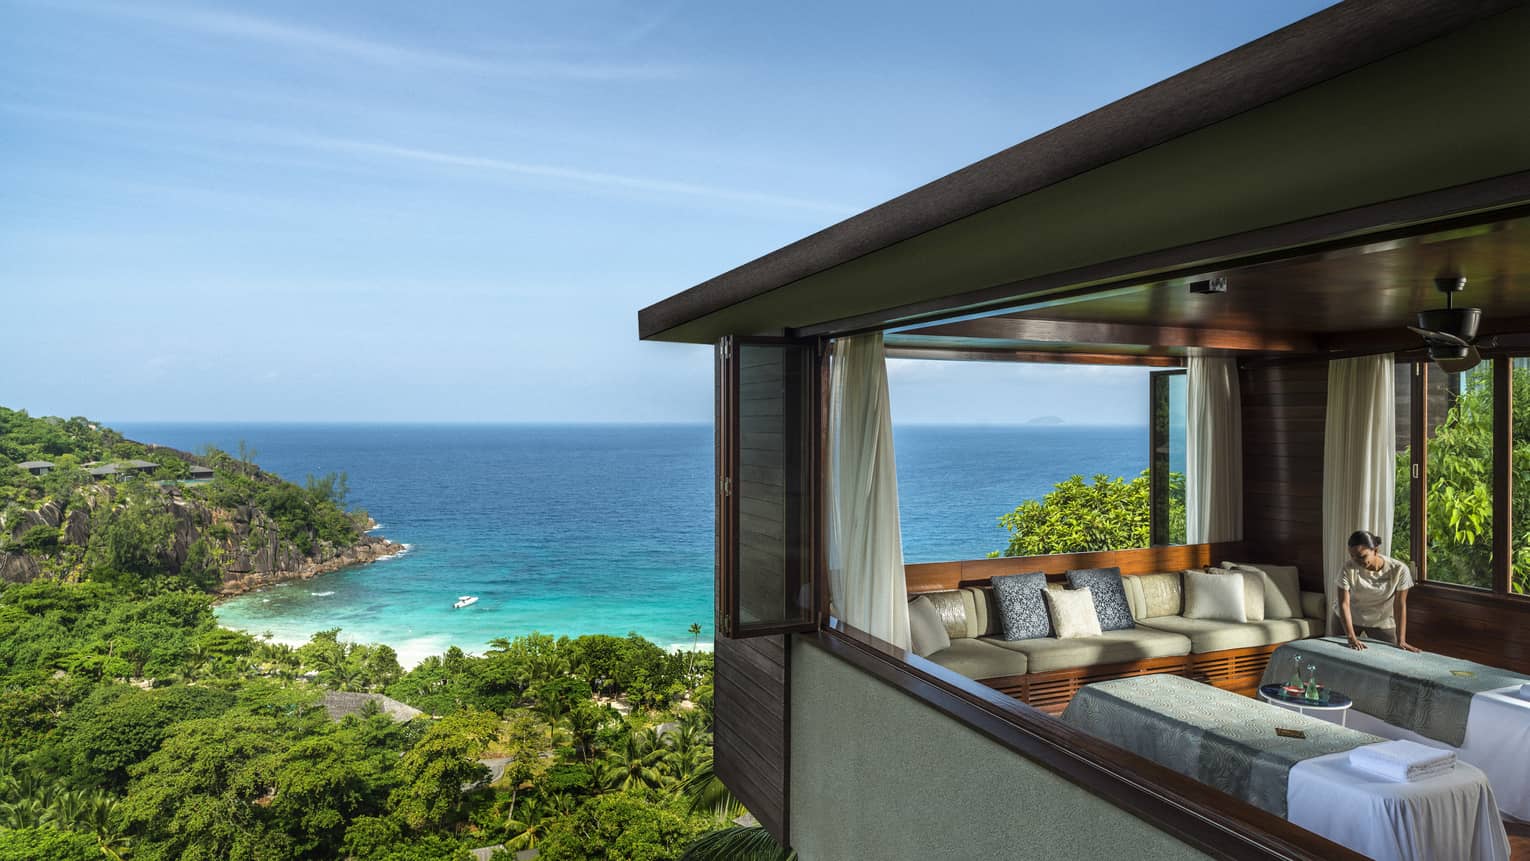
{"x": 465, "y": 601}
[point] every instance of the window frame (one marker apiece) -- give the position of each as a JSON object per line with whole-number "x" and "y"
{"x": 1502, "y": 482}
{"x": 1160, "y": 409}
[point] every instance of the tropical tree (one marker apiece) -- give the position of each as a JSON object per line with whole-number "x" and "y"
{"x": 1074, "y": 517}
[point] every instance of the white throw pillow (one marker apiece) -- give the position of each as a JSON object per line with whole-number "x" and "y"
{"x": 1282, "y": 588}
{"x": 1214, "y": 597}
{"x": 1072, "y": 612}
{"x": 926, "y": 632}
{"x": 1253, "y": 590}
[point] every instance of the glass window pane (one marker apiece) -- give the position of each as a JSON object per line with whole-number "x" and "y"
{"x": 1401, "y": 545}
{"x": 775, "y": 550}
{"x": 1460, "y": 492}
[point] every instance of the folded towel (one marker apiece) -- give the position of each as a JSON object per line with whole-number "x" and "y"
{"x": 1524, "y": 692}
{"x": 1402, "y": 760}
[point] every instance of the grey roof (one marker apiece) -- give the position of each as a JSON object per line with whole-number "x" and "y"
{"x": 140, "y": 464}
{"x": 341, "y": 703}
{"x": 31, "y": 464}
{"x": 199, "y": 470}
{"x": 109, "y": 469}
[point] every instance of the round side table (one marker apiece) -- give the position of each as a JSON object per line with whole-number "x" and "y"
{"x": 1332, "y": 701}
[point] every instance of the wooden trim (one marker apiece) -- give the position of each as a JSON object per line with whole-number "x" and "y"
{"x": 726, "y": 604}
{"x": 1503, "y": 475}
{"x": 1418, "y": 499}
{"x": 938, "y": 576}
{"x": 1211, "y": 821}
{"x": 1159, "y": 408}
{"x": 1033, "y": 329}
{"x": 899, "y": 350}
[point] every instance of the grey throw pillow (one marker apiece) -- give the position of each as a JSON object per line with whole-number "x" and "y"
{"x": 1021, "y": 606}
{"x": 1109, "y": 596}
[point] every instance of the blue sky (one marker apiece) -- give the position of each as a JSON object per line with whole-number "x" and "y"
{"x": 397, "y": 211}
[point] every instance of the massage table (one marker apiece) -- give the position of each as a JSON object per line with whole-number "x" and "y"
{"x": 1229, "y": 743}
{"x": 1433, "y": 699}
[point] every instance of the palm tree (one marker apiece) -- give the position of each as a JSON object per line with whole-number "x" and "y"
{"x": 690, "y": 669}
{"x": 738, "y": 843}
{"x": 686, "y": 749}
{"x": 635, "y": 764}
{"x": 529, "y": 824}
{"x": 707, "y": 794}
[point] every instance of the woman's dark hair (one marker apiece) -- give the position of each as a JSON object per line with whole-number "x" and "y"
{"x": 1365, "y": 539}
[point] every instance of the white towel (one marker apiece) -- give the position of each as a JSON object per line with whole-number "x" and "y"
{"x": 1524, "y": 691}
{"x": 1401, "y": 760}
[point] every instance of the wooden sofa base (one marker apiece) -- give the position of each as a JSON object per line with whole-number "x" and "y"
{"x": 1236, "y": 670}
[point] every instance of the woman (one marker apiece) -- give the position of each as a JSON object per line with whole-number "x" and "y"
{"x": 1373, "y": 594}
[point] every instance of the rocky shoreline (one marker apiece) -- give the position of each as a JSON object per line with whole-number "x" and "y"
{"x": 370, "y": 548}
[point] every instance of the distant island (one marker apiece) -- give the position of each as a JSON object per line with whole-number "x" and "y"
{"x": 1046, "y": 420}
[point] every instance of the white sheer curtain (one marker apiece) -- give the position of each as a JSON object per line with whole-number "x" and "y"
{"x": 866, "y": 585}
{"x": 1359, "y": 460}
{"x": 1213, "y": 452}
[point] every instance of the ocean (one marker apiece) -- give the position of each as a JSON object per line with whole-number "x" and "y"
{"x": 575, "y": 529}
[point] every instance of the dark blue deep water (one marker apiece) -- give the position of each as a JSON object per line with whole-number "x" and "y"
{"x": 592, "y": 528}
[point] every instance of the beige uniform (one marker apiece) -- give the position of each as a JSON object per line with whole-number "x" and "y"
{"x": 1371, "y": 592}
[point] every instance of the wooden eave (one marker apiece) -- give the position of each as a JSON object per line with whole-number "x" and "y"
{"x": 1300, "y": 137}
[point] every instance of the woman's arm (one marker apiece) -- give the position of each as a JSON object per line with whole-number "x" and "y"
{"x": 1400, "y": 609}
{"x": 1349, "y": 624}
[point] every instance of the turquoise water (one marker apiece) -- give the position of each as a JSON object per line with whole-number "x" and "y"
{"x": 591, "y": 528}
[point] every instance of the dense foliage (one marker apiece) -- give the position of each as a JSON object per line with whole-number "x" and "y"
{"x": 1110, "y": 514}
{"x": 1459, "y": 498}
{"x": 134, "y": 726}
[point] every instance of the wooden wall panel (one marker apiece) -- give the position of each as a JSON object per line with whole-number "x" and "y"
{"x": 1481, "y": 628}
{"x": 1284, "y": 413}
{"x": 750, "y": 726}
{"x": 936, "y": 576}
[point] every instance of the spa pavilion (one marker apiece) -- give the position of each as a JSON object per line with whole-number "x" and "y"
{"x": 1262, "y": 231}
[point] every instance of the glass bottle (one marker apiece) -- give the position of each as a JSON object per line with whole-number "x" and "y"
{"x": 1296, "y": 672}
{"x": 1311, "y": 688}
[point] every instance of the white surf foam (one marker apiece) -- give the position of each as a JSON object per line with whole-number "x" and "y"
{"x": 321, "y": 594}
{"x": 407, "y": 548}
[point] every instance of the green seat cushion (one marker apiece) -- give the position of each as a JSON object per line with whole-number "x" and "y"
{"x": 980, "y": 659}
{"x": 1208, "y": 635}
{"x": 1111, "y": 647}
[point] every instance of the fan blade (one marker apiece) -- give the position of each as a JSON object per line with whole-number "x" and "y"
{"x": 1441, "y": 337}
{"x": 1456, "y": 366}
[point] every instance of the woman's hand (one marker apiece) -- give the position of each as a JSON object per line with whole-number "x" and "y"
{"x": 1354, "y": 643}
{"x": 1409, "y": 646}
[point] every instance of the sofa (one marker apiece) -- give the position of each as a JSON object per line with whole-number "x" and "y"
{"x": 1046, "y": 671}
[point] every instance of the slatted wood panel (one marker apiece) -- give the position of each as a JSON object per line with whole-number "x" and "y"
{"x": 762, "y": 490}
{"x": 750, "y": 729}
{"x": 1284, "y": 409}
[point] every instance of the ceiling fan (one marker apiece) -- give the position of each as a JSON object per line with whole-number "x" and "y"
{"x": 1450, "y": 333}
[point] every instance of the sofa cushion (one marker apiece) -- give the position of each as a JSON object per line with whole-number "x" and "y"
{"x": 986, "y": 619}
{"x": 1133, "y": 595}
{"x": 1253, "y": 590}
{"x": 1073, "y": 614}
{"x": 955, "y": 609}
{"x": 926, "y": 630}
{"x": 1213, "y": 596}
{"x": 1314, "y": 605}
{"x": 1162, "y": 594}
{"x": 1021, "y": 608}
{"x": 980, "y": 659}
{"x": 1109, "y": 596}
{"x": 1110, "y": 647}
{"x": 1207, "y": 635}
{"x": 1282, "y": 588}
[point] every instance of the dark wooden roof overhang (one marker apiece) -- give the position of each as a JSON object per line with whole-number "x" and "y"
{"x": 1371, "y": 120}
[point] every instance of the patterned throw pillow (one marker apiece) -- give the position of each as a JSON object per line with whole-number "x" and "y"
{"x": 1109, "y": 596}
{"x": 1021, "y": 607}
